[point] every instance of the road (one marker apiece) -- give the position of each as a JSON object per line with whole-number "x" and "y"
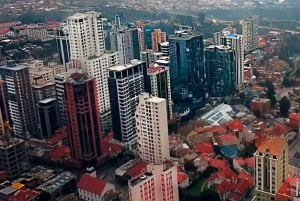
{"x": 277, "y": 29}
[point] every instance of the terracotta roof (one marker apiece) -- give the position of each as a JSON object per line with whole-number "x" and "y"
{"x": 181, "y": 177}
{"x": 273, "y": 146}
{"x": 280, "y": 129}
{"x": 227, "y": 173}
{"x": 235, "y": 125}
{"x": 205, "y": 148}
{"x": 295, "y": 116}
{"x": 214, "y": 129}
{"x": 4, "y": 31}
{"x": 223, "y": 187}
{"x": 285, "y": 188}
{"x": 250, "y": 162}
{"x": 138, "y": 169}
{"x": 240, "y": 161}
{"x": 55, "y": 139}
{"x": 217, "y": 163}
{"x": 235, "y": 197}
{"x": 24, "y": 195}
{"x": 8, "y": 24}
{"x": 244, "y": 175}
{"x": 257, "y": 87}
{"x": 111, "y": 147}
{"x": 60, "y": 152}
{"x": 227, "y": 137}
{"x": 91, "y": 184}
{"x": 243, "y": 186}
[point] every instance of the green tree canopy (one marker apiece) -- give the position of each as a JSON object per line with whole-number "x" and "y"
{"x": 209, "y": 195}
{"x": 284, "y": 105}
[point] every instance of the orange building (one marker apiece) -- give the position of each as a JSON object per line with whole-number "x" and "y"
{"x": 158, "y": 37}
{"x": 263, "y": 105}
{"x": 294, "y": 119}
{"x": 141, "y": 26}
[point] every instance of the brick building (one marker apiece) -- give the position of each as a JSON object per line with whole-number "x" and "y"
{"x": 260, "y": 104}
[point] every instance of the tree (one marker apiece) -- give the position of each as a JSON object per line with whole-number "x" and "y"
{"x": 256, "y": 73}
{"x": 242, "y": 95}
{"x": 286, "y": 82}
{"x": 209, "y": 194}
{"x": 284, "y": 105}
{"x": 189, "y": 166}
{"x": 257, "y": 113}
{"x": 273, "y": 101}
{"x": 270, "y": 89}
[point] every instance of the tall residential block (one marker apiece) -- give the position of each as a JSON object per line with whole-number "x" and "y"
{"x": 3, "y": 101}
{"x": 250, "y": 33}
{"x": 141, "y": 27}
{"x": 271, "y": 168}
{"x": 60, "y": 97}
{"x": 187, "y": 68}
{"x": 88, "y": 53}
{"x": 158, "y": 37}
{"x": 152, "y": 129}
{"x": 126, "y": 42}
{"x": 20, "y": 99}
{"x": 83, "y": 120}
{"x": 164, "y": 48}
{"x": 160, "y": 84}
{"x": 63, "y": 44}
{"x": 158, "y": 183}
{"x": 126, "y": 83}
{"x": 220, "y": 70}
{"x": 236, "y": 42}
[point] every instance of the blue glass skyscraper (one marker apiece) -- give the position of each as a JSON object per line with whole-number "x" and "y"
{"x": 187, "y": 68}
{"x": 148, "y": 36}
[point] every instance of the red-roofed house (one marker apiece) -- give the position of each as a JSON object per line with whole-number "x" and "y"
{"x": 91, "y": 188}
{"x": 235, "y": 197}
{"x": 215, "y": 130}
{"x": 205, "y": 148}
{"x": 8, "y": 24}
{"x": 236, "y": 127}
{"x": 183, "y": 179}
{"x": 244, "y": 175}
{"x": 294, "y": 121}
{"x": 137, "y": 170}
{"x": 60, "y": 153}
{"x": 229, "y": 140}
{"x": 238, "y": 164}
{"x": 217, "y": 163}
{"x": 250, "y": 165}
{"x": 112, "y": 148}
{"x": 5, "y": 32}
{"x": 25, "y": 195}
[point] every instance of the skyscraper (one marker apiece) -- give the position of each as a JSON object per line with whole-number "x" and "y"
{"x": 250, "y": 33}
{"x": 187, "y": 68}
{"x": 20, "y": 99}
{"x": 160, "y": 84}
{"x": 158, "y": 37}
{"x": 83, "y": 119}
{"x": 126, "y": 42}
{"x": 60, "y": 97}
{"x": 236, "y": 42}
{"x": 220, "y": 70}
{"x": 88, "y": 53}
{"x": 152, "y": 129}
{"x": 63, "y": 44}
{"x": 126, "y": 83}
{"x": 271, "y": 168}
{"x": 148, "y": 29}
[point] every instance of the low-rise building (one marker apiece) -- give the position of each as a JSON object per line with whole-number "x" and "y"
{"x": 260, "y": 104}
{"x": 294, "y": 121}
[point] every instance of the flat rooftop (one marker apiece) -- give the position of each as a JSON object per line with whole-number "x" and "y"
{"x": 126, "y": 66}
{"x": 140, "y": 179}
{"x": 47, "y": 100}
{"x": 156, "y": 99}
{"x": 10, "y": 142}
{"x": 14, "y": 68}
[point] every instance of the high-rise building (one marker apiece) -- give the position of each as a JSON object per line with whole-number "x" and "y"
{"x": 13, "y": 157}
{"x": 152, "y": 129}
{"x": 158, "y": 183}
{"x": 250, "y": 33}
{"x": 126, "y": 83}
{"x": 160, "y": 84}
{"x": 187, "y": 68}
{"x": 158, "y": 37}
{"x": 236, "y": 42}
{"x": 271, "y": 168}
{"x": 88, "y": 53}
{"x": 20, "y": 99}
{"x": 148, "y": 29}
{"x": 119, "y": 21}
{"x": 126, "y": 42}
{"x": 149, "y": 56}
{"x": 164, "y": 48}
{"x": 60, "y": 97}
{"x": 220, "y": 70}
{"x": 3, "y": 102}
{"x": 48, "y": 119}
{"x": 83, "y": 120}
{"x": 141, "y": 27}
{"x": 63, "y": 45}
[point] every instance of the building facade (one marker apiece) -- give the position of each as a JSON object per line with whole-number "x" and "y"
{"x": 158, "y": 183}
{"x": 187, "y": 68}
{"x": 262, "y": 105}
{"x": 160, "y": 85}
{"x": 63, "y": 45}
{"x": 126, "y": 83}
{"x": 83, "y": 120}
{"x": 20, "y": 99}
{"x": 220, "y": 70}
{"x": 236, "y": 42}
{"x": 158, "y": 37}
{"x": 152, "y": 129}
{"x": 271, "y": 168}
{"x": 60, "y": 97}
{"x": 250, "y": 33}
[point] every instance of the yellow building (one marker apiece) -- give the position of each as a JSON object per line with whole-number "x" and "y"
{"x": 271, "y": 168}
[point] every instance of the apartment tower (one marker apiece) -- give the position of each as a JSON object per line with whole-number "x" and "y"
{"x": 88, "y": 53}
{"x": 126, "y": 83}
{"x": 83, "y": 119}
{"x": 250, "y": 33}
{"x": 158, "y": 37}
{"x": 20, "y": 99}
{"x": 271, "y": 165}
{"x": 152, "y": 129}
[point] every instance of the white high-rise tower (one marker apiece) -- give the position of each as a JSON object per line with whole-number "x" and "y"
{"x": 152, "y": 129}
{"x": 88, "y": 53}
